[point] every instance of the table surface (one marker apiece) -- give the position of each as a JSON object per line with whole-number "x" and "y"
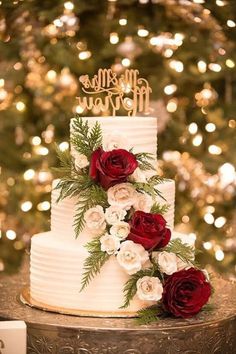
{"x": 224, "y": 301}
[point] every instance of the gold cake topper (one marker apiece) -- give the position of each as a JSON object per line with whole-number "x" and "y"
{"x": 127, "y": 91}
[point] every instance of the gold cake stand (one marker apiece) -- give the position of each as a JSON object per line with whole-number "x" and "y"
{"x": 56, "y": 333}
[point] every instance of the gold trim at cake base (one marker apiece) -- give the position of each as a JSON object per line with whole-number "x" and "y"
{"x": 27, "y": 299}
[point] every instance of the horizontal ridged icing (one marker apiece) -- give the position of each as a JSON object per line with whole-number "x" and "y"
{"x": 140, "y": 132}
{"x": 62, "y": 213}
{"x": 56, "y": 268}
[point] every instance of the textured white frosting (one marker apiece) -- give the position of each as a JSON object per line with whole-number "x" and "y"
{"x": 139, "y": 132}
{"x": 56, "y": 268}
{"x": 57, "y": 258}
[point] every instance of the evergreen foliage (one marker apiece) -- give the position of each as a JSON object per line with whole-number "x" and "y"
{"x": 86, "y": 140}
{"x": 144, "y": 161}
{"x": 185, "y": 252}
{"x": 94, "y": 262}
{"x": 130, "y": 287}
{"x": 157, "y": 208}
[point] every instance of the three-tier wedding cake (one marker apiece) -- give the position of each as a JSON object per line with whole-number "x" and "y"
{"x": 112, "y": 249}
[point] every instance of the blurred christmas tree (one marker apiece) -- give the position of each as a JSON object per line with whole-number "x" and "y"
{"x": 186, "y": 49}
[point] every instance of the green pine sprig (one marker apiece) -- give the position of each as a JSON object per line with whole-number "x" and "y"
{"x": 148, "y": 315}
{"x": 66, "y": 162}
{"x": 71, "y": 186}
{"x": 144, "y": 159}
{"x": 185, "y": 252}
{"x": 94, "y": 262}
{"x": 150, "y": 187}
{"x": 130, "y": 287}
{"x": 209, "y": 307}
{"x": 88, "y": 198}
{"x": 84, "y": 139}
{"x": 157, "y": 208}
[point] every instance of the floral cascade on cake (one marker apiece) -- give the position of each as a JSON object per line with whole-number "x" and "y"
{"x": 116, "y": 191}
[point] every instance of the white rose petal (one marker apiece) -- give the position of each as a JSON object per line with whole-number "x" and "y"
{"x": 123, "y": 195}
{"x": 113, "y": 141}
{"x": 120, "y": 230}
{"x": 109, "y": 244}
{"x": 132, "y": 256}
{"x": 81, "y": 161}
{"x": 167, "y": 262}
{"x": 95, "y": 218}
{"x": 114, "y": 214}
{"x": 149, "y": 288}
{"x": 138, "y": 176}
{"x": 143, "y": 202}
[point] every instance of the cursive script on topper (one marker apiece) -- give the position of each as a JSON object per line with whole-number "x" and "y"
{"x": 127, "y": 91}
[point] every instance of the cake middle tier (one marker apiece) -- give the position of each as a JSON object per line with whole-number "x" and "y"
{"x": 62, "y": 212}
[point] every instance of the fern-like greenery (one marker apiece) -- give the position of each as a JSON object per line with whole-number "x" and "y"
{"x": 160, "y": 209}
{"x": 182, "y": 250}
{"x": 148, "y": 315}
{"x": 74, "y": 185}
{"x": 150, "y": 187}
{"x": 156, "y": 179}
{"x": 144, "y": 159}
{"x": 88, "y": 198}
{"x": 85, "y": 140}
{"x": 66, "y": 161}
{"x": 130, "y": 287}
{"x": 94, "y": 262}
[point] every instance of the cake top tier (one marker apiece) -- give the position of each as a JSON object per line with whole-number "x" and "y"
{"x": 139, "y": 133}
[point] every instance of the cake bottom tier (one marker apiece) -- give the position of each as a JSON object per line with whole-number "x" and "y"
{"x": 56, "y": 270}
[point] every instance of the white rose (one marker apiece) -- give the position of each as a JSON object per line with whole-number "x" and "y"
{"x": 109, "y": 243}
{"x": 149, "y": 288}
{"x": 114, "y": 214}
{"x": 143, "y": 202}
{"x": 113, "y": 141}
{"x": 167, "y": 262}
{"x": 120, "y": 230}
{"x": 81, "y": 161}
{"x": 181, "y": 264}
{"x": 95, "y": 218}
{"x": 138, "y": 176}
{"x": 123, "y": 195}
{"x": 132, "y": 256}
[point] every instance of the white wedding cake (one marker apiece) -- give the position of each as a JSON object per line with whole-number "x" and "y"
{"x": 57, "y": 256}
{"x": 112, "y": 249}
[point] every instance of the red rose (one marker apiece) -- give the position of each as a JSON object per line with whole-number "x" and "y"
{"x": 149, "y": 230}
{"x": 111, "y": 167}
{"x": 186, "y": 292}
